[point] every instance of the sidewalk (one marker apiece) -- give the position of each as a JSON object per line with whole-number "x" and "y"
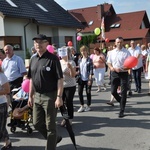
{"x": 100, "y": 129}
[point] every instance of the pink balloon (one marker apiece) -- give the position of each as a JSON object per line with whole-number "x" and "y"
{"x": 78, "y": 38}
{"x": 50, "y": 48}
{"x": 25, "y": 85}
{"x": 91, "y": 56}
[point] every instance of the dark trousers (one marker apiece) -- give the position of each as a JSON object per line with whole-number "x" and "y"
{"x": 81, "y": 86}
{"x": 122, "y": 79}
{"x": 14, "y": 84}
{"x": 44, "y": 117}
{"x": 137, "y": 78}
{"x": 18, "y": 103}
{"x": 3, "y": 119}
{"x": 68, "y": 95}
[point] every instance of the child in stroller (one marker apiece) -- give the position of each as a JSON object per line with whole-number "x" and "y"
{"x": 20, "y": 100}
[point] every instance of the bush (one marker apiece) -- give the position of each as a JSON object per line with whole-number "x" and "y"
{"x": 28, "y": 55}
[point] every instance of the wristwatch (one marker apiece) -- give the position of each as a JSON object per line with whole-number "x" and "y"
{"x": 59, "y": 96}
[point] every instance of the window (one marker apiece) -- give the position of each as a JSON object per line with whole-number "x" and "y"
{"x": 112, "y": 26}
{"x": 11, "y": 3}
{"x": 15, "y": 41}
{"x": 117, "y": 25}
{"x": 67, "y": 39}
{"x": 90, "y": 23}
{"x": 40, "y": 6}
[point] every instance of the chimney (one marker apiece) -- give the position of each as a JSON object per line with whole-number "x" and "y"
{"x": 100, "y": 11}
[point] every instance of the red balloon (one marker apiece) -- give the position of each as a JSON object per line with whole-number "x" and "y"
{"x": 69, "y": 43}
{"x": 130, "y": 62}
{"x": 25, "y": 85}
{"x": 106, "y": 40}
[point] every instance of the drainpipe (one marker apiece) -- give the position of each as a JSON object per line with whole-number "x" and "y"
{"x": 25, "y": 40}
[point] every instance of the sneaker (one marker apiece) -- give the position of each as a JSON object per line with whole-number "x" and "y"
{"x": 87, "y": 108}
{"x": 99, "y": 90}
{"x": 121, "y": 114}
{"x": 104, "y": 88}
{"x": 5, "y": 147}
{"x": 81, "y": 109}
{"x": 110, "y": 103}
{"x": 130, "y": 93}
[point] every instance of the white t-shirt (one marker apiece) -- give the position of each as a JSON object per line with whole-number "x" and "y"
{"x": 3, "y": 80}
{"x": 144, "y": 52}
{"x": 135, "y": 52}
{"x": 68, "y": 80}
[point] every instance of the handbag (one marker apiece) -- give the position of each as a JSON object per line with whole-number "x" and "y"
{"x": 18, "y": 112}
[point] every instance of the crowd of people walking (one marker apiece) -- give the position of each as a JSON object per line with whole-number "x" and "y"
{"x": 55, "y": 77}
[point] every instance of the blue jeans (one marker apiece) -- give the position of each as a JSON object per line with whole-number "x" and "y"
{"x": 81, "y": 86}
{"x": 137, "y": 78}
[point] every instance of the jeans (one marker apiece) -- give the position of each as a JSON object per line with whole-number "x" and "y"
{"x": 44, "y": 117}
{"x": 137, "y": 78}
{"x": 68, "y": 95}
{"x": 3, "y": 120}
{"x": 81, "y": 86}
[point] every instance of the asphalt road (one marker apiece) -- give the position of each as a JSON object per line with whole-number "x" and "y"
{"x": 99, "y": 129}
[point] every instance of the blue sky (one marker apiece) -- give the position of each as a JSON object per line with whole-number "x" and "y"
{"x": 120, "y": 6}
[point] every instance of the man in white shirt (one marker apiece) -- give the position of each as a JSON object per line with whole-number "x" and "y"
{"x": 137, "y": 70}
{"x": 119, "y": 74}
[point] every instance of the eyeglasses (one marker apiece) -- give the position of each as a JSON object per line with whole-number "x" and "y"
{"x": 40, "y": 42}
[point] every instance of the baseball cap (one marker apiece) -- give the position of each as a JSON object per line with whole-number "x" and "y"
{"x": 40, "y": 37}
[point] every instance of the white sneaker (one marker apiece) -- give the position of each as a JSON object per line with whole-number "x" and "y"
{"x": 81, "y": 109}
{"x": 87, "y": 108}
{"x": 104, "y": 88}
{"x": 99, "y": 90}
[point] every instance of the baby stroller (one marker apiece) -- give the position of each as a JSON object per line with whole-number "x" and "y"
{"x": 21, "y": 115}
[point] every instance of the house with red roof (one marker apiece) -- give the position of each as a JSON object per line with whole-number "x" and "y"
{"x": 130, "y": 26}
{"x": 21, "y": 20}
